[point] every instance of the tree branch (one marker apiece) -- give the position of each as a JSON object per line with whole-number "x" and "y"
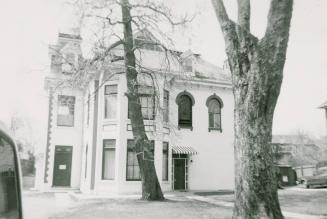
{"x": 279, "y": 19}
{"x": 244, "y": 13}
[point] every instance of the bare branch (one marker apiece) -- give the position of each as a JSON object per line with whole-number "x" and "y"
{"x": 244, "y": 13}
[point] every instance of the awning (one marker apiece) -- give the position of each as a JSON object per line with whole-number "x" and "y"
{"x": 183, "y": 150}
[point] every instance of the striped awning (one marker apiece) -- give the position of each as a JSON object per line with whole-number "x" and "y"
{"x": 183, "y": 150}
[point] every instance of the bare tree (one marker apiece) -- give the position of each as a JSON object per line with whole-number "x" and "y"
{"x": 257, "y": 71}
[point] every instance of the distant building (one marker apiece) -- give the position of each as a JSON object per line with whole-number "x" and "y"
{"x": 188, "y": 115}
{"x": 295, "y": 150}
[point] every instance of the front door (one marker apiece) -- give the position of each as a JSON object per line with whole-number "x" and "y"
{"x": 62, "y": 166}
{"x": 179, "y": 173}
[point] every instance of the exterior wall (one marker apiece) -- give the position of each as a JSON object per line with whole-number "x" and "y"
{"x": 215, "y": 148}
{"x": 211, "y": 168}
{"x": 67, "y": 136}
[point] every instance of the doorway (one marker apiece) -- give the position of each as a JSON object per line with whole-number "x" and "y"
{"x": 62, "y": 166}
{"x": 180, "y": 171}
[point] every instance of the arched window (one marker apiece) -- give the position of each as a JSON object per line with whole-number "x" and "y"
{"x": 214, "y": 105}
{"x": 185, "y": 102}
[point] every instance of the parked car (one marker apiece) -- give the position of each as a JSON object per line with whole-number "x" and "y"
{"x": 10, "y": 177}
{"x": 320, "y": 179}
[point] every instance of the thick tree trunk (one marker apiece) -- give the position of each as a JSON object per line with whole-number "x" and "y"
{"x": 255, "y": 179}
{"x": 151, "y": 189}
{"x": 257, "y": 72}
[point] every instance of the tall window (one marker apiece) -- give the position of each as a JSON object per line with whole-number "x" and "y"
{"x": 166, "y": 106}
{"x": 56, "y": 63}
{"x": 68, "y": 63}
{"x": 88, "y": 109}
{"x": 110, "y": 99}
{"x": 86, "y": 160}
{"x": 214, "y": 104}
{"x": 109, "y": 156}
{"x": 184, "y": 110}
{"x": 66, "y": 107}
{"x": 146, "y": 97}
{"x": 132, "y": 167}
{"x": 165, "y": 156}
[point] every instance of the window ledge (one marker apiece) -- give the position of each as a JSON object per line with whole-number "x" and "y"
{"x": 185, "y": 127}
{"x": 215, "y": 129}
{"x": 109, "y": 121}
{"x": 133, "y": 180}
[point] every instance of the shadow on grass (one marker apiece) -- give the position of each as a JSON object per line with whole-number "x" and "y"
{"x": 218, "y": 192}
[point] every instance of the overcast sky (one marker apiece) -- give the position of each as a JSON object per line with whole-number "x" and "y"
{"x": 27, "y": 27}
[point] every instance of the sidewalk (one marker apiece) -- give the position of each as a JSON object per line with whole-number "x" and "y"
{"x": 287, "y": 214}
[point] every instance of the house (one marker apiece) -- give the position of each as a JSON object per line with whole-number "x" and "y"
{"x": 295, "y": 150}
{"x": 187, "y": 108}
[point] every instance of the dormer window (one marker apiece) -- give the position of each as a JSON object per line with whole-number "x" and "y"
{"x": 188, "y": 64}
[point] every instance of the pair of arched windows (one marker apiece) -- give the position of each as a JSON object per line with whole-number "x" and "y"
{"x": 185, "y": 103}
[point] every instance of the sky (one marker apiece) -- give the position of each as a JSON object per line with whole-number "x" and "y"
{"x": 27, "y": 27}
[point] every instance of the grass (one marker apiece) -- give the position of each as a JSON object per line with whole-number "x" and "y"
{"x": 138, "y": 209}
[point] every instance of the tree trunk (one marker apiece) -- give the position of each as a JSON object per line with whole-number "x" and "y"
{"x": 257, "y": 72}
{"x": 255, "y": 177}
{"x": 151, "y": 189}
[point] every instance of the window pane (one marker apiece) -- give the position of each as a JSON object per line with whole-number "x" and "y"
{"x": 65, "y": 111}
{"x": 214, "y": 106}
{"x": 165, "y": 161}
{"x": 166, "y": 106}
{"x": 130, "y": 158}
{"x": 109, "y": 164}
{"x": 211, "y": 118}
{"x": 185, "y": 110}
{"x": 132, "y": 170}
{"x": 216, "y": 120}
{"x": 136, "y": 173}
{"x": 110, "y": 111}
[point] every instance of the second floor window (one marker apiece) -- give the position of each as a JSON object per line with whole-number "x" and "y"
{"x": 110, "y": 102}
{"x": 185, "y": 111}
{"x": 146, "y": 96}
{"x": 66, "y": 110}
{"x": 166, "y": 106}
{"x": 88, "y": 109}
{"x": 214, "y": 104}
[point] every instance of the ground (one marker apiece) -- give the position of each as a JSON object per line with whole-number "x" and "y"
{"x": 296, "y": 203}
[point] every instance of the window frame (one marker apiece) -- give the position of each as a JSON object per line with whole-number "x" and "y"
{"x": 128, "y": 149}
{"x": 220, "y": 102}
{"x": 105, "y": 116}
{"x": 59, "y": 103}
{"x": 148, "y": 91}
{"x": 110, "y": 148}
{"x": 178, "y": 100}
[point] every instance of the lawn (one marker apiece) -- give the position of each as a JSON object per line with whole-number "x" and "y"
{"x": 305, "y": 201}
{"x": 138, "y": 209}
{"x": 178, "y": 205}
